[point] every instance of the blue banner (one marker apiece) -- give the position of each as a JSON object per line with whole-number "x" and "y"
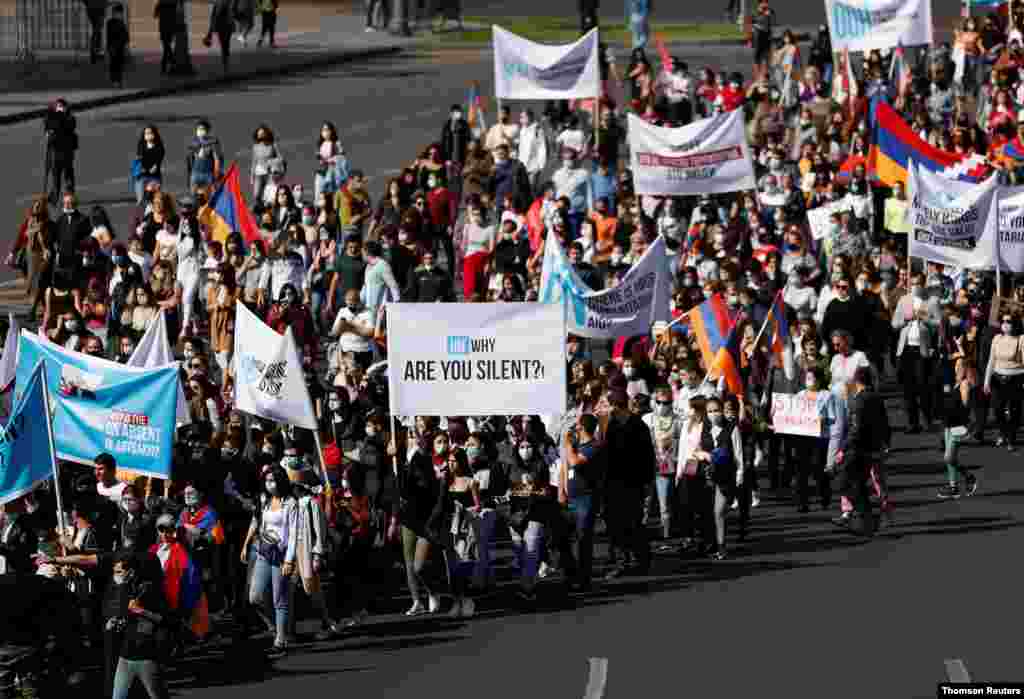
{"x": 101, "y": 406}
{"x": 25, "y": 458}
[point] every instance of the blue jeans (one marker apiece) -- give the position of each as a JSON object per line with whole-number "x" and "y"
{"x": 199, "y": 178}
{"x": 578, "y": 565}
{"x": 528, "y": 547}
{"x": 267, "y": 577}
{"x": 666, "y": 487}
{"x": 146, "y": 671}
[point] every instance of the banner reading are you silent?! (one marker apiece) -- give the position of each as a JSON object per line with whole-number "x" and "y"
{"x": 476, "y": 359}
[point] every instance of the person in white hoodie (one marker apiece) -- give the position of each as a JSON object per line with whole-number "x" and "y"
{"x": 533, "y": 148}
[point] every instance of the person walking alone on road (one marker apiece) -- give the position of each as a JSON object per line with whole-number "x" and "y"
{"x": 245, "y": 19}
{"x": 268, "y": 21}
{"x": 166, "y": 14}
{"x": 222, "y": 23}
{"x": 95, "y": 10}
{"x": 61, "y": 144}
{"x": 958, "y": 398}
{"x": 117, "y": 45}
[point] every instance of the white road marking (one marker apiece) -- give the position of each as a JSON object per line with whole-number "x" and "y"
{"x": 956, "y": 671}
{"x": 598, "y": 678}
{"x": 178, "y": 169}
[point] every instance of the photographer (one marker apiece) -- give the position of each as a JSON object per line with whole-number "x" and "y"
{"x": 61, "y": 143}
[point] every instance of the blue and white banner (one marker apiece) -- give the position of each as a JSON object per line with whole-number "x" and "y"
{"x": 26, "y": 458}
{"x": 862, "y": 25}
{"x": 631, "y": 308}
{"x": 526, "y": 70}
{"x": 101, "y": 406}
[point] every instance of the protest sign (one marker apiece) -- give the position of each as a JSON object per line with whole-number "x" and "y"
{"x": 639, "y": 300}
{"x": 862, "y": 25}
{"x": 476, "y": 359}
{"x": 795, "y": 414}
{"x": 26, "y": 454}
{"x": 526, "y": 70}
{"x": 820, "y": 217}
{"x": 101, "y": 406}
{"x": 1005, "y": 229}
{"x": 948, "y": 219}
{"x": 270, "y": 381}
{"x": 709, "y": 156}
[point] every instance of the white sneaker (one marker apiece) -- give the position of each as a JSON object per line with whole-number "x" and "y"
{"x": 435, "y": 603}
{"x": 357, "y": 619}
{"x": 543, "y": 571}
{"x": 758, "y": 457}
{"x": 735, "y": 505}
{"x": 754, "y": 500}
{"x": 370, "y": 30}
{"x": 416, "y": 609}
{"x": 468, "y": 608}
{"x": 456, "y": 610}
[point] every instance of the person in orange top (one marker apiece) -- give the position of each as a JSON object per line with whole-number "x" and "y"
{"x": 604, "y": 231}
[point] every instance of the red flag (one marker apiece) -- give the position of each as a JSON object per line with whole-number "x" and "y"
{"x": 666, "y": 59}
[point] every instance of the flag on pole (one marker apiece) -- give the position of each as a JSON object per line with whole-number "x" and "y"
{"x": 710, "y": 325}
{"x": 227, "y": 212}
{"x": 475, "y": 110}
{"x": 154, "y": 351}
{"x": 666, "y": 57}
{"x": 9, "y": 361}
{"x": 26, "y": 447}
{"x": 727, "y": 363}
{"x": 782, "y": 344}
{"x": 269, "y": 378}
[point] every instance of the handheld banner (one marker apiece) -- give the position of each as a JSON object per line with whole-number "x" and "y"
{"x": 862, "y": 25}
{"x": 526, "y": 70}
{"x": 25, "y": 455}
{"x": 101, "y": 406}
{"x": 795, "y": 414}
{"x": 476, "y": 359}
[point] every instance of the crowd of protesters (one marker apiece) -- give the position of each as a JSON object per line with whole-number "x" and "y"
{"x": 647, "y": 438}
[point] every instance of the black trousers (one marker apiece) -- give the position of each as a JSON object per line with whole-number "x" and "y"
{"x": 981, "y": 405}
{"x": 915, "y": 375}
{"x": 810, "y": 453}
{"x": 352, "y": 576}
{"x": 62, "y": 170}
{"x": 1006, "y": 401}
{"x": 268, "y": 26}
{"x": 853, "y": 483}
{"x": 624, "y": 514}
{"x": 96, "y": 37}
{"x": 116, "y": 65}
{"x": 167, "y": 57}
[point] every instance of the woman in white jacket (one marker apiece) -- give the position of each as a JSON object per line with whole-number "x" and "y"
{"x": 274, "y": 537}
{"x": 533, "y": 148}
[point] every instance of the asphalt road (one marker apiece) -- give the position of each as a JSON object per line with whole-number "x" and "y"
{"x": 802, "y": 610}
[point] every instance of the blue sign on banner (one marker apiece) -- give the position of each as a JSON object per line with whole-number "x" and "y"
{"x": 25, "y": 458}
{"x": 101, "y": 406}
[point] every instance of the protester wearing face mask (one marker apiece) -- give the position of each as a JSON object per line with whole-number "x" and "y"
{"x": 421, "y": 492}
{"x": 811, "y": 451}
{"x": 1004, "y": 377}
{"x": 273, "y": 538}
{"x": 665, "y": 426}
{"x": 720, "y": 457}
{"x": 914, "y": 352}
{"x": 135, "y": 617}
{"x": 846, "y": 312}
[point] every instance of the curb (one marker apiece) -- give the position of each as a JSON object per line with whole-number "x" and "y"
{"x": 200, "y": 84}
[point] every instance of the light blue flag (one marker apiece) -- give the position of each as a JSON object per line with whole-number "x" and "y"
{"x": 560, "y": 283}
{"x": 101, "y": 406}
{"x": 26, "y": 458}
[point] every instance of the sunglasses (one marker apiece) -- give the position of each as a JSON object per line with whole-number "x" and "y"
{"x": 664, "y": 402}
{"x": 165, "y": 529}
{"x": 842, "y": 286}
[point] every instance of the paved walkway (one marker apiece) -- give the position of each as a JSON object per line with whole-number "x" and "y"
{"x": 307, "y": 38}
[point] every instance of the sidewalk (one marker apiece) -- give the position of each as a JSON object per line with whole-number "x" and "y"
{"x": 306, "y": 39}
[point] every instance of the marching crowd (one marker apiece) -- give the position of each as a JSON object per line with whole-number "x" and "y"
{"x": 250, "y": 520}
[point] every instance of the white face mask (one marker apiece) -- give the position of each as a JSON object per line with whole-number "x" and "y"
{"x": 861, "y": 285}
{"x": 271, "y": 486}
{"x": 629, "y": 372}
{"x": 122, "y": 578}
{"x": 525, "y": 453}
{"x": 616, "y": 259}
{"x": 663, "y": 410}
{"x": 189, "y": 354}
{"x": 1007, "y": 328}
{"x": 440, "y": 449}
{"x": 717, "y": 419}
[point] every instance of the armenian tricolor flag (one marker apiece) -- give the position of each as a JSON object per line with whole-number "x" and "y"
{"x": 475, "y": 109}
{"x": 710, "y": 324}
{"x": 781, "y": 342}
{"x": 183, "y": 587}
{"x": 896, "y": 145}
{"x": 226, "y": 211}
{"x": 727, "y": 363}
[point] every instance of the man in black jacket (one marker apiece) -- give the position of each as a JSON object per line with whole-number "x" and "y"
{"x": 455, "y": 136}
{"x": 868, "y": 433}
{"x": 61, "y": 144}
{"x": 630, "y": 464}
{"x": 18, "y": 543}
{"x": 428, "y": 284}
{"x": 72, "y": 228}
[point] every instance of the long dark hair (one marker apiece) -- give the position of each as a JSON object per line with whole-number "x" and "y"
{"x": 157, "y": 138}
{"x": 333, "y": 129}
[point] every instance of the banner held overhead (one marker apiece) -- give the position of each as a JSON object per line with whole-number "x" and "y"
{"x": 709, "y": 156}
{"x": 862, "y": 25}
{"x": 526, "y": 70}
